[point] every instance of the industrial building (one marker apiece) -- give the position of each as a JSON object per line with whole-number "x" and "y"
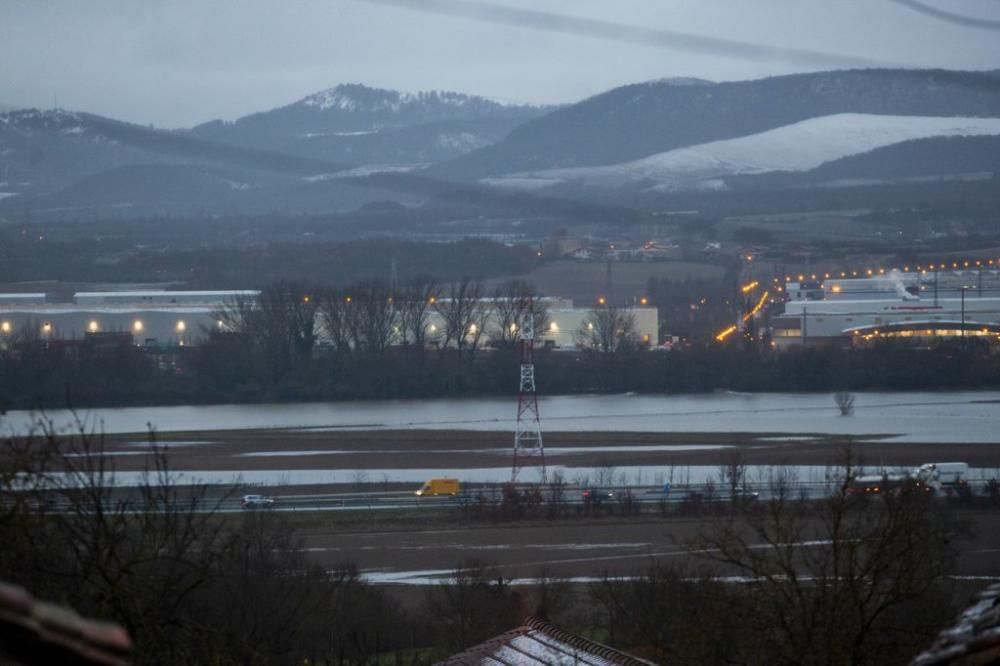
{"x": 179, "y": 318}
{"x": 928, "y": 304}
{"x": 163, "y": 318}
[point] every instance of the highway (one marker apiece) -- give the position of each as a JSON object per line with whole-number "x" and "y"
{"x": 216, "y": 499}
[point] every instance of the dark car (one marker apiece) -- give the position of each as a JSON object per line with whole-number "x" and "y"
{"x": 597, "y": 495}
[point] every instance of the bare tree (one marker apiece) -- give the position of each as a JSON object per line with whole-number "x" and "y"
{"x": 477, "y": 603}
{"x": 460, "y": 311}
{"x": 845, "y": 402}
{"x": 375, "y": 311}
{"x": 414, "y": 303}
{"x": 608, "y": 330}
{"x": 511, "y": 301}
{"x": 827, "y": 579}
{"x": 276, "y": 327}
{"x": 338, "y": 320}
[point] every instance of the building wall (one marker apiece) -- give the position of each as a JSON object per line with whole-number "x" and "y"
{"x": 164, "y": 326}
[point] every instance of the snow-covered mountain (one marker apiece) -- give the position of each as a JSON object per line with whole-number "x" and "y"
{"x": 796, "y": 147}
{"x": 362, "y": 125}
{"x": 643, "y": 119}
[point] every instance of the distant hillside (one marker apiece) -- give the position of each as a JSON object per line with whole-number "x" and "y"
{"x": 635, "y": 121}
{"x": 65, "y": 163}
{"x": 363, "y": 125}
{"x": 801, "y": 146}
{"x": 47, "y": 150}
{"x": 937, "y": 157}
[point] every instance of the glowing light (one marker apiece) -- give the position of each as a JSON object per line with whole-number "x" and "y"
{"x": 305, "y": 299}
{"x": 601, "y": 300}
{"x": 553, "y": 327}
{"x": 643, "y": 301}
{"x": 181, "y": 326}
{"x": 347, "y": 299}
{"x": 725, "y": 334}
{"x": 749, "y": 287}
{"x": 5, "y": 327}
{"x": 47, "y": 327}
{"x": 757, "y": 307}
{"x": 835, "y": 289}
{"x": 432, "y": 300}
{"x": 92, "y": 327}
{"x": 137, "y": 326}
{"x": 433, "y": 328}
{"x": 472, "y": 329}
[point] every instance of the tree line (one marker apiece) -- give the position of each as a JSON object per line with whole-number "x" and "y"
{"x": 371, "y": 340}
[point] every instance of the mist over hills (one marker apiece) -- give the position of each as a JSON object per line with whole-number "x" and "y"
{"x": 352, "y": 145}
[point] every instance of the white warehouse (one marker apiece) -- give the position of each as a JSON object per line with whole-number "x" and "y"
{"x": 177, "y": 318}
{"x": 922, "y": 305}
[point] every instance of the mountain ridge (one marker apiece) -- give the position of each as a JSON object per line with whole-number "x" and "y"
{"x": 637, "y": 120}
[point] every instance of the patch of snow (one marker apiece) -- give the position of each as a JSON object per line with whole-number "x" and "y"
{"x": 797, "y": 147}
{"x": 462, "y": 141}
{"x": 313, "y": 135}
{"x": 527, "y": 182}
{"x": 4, "y": 195}
{"x": 364, "y": 170}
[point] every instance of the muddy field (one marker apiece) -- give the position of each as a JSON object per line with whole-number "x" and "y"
{"x": 372, "y": 451}
{"x": 420, "y": 552}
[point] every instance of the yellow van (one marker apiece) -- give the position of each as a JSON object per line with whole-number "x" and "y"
{"x": 439, "y": 487}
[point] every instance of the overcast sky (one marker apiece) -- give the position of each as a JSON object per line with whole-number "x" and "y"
{"x": 175, "y": 63}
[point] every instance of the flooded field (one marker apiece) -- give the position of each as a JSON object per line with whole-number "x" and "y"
{"x": 929, "y": 417}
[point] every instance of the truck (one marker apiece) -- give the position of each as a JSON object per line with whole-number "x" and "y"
{"x": 434, "y": 487}
{"x": 945, "y": 473}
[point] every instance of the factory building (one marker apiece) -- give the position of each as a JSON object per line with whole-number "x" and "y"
{"x": 160, "y": 318}
{"x": 906, "y": 305}
{"x": 179, "y": 318}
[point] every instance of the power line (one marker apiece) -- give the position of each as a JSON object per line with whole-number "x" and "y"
{"x": 620, "y": 32}
{"x": 950, "y": 17}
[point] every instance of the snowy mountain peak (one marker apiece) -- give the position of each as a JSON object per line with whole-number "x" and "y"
{"x": 48, "y": 119}
{"x": 358, "y": 98}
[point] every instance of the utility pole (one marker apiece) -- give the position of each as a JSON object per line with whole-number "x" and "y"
{"x": 528, "y": 432}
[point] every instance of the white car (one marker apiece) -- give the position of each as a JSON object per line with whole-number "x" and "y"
{"x": 251, "y": 501}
